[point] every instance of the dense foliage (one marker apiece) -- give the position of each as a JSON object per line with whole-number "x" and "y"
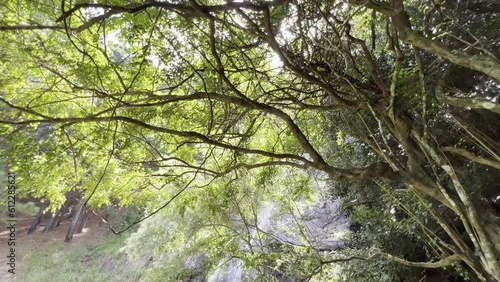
{"x": 204, "y": 112}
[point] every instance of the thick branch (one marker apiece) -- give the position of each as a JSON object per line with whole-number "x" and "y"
{"x": 471, "y": 156}
{"x": 191, "y": 11}
{"x": 481, "y": 63}
{"x": 376, "y": 170}
{"x": 447, "y": 261}
{"x": 466, "y": 102}
{"x": 29, "y": 27}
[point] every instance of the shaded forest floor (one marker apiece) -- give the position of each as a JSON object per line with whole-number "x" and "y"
{"x": 93, "y": 255}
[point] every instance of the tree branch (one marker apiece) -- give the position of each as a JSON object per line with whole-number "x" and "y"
{"x": 471, "y": 156}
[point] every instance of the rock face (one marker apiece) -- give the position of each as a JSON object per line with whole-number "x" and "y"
{"x": 322, "y": 226}
{"x": 321, "y": 222}
{"x": 232, "y": 271}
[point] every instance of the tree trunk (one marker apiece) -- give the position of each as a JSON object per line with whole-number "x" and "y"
{"x": 50, "y": 225}
{"x": 58, "y": 220}
{"x": 38, "y": 217}
{"x": 65, "y": 216}
{"x": 83, "y": 221}
{"x": 72, "y": 226}
{"x": 491, "y": 224}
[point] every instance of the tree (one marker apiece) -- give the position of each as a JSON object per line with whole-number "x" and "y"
{"x": 149, "y": 100}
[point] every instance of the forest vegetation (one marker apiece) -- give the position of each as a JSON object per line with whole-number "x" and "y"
{"x": 200, "y": 113}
